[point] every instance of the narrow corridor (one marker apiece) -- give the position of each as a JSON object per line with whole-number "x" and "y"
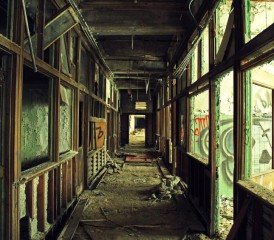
{"x": 134, "y": 201}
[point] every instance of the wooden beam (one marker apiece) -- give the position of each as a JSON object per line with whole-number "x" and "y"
{"x": 64, "y": 185}
{"x": 72, "y": 225}
{"x": 51, "y": 198}
{"x": 30, "y": 198}
{"x": 156, "y": 30}
{"x": 41, "y": 208}
{"x": 145, "y": 6}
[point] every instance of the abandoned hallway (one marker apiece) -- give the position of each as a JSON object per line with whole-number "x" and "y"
{"x": 166, "y": 105}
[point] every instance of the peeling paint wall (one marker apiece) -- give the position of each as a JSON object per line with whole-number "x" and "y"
{"x": 35, "y": 121}
{"x": 65, "y": 119}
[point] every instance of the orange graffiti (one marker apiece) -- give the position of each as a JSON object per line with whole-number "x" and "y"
{"x": 202, "y": 124}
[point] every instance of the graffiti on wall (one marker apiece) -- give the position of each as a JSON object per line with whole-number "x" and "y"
{"x": 100, "y": 130}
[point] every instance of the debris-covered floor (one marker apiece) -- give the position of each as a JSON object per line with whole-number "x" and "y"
{"x": 135, "y": 201}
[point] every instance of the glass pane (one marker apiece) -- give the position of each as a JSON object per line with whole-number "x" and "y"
{"x": 57, "y": 27}
{"x": 222, "y": 14}
{"x": 261, "y": 115}
{"x": 259, "y": 16}
{"x": 35, "y": 119}
{"x": 261, "y": 128}
{"x": 205, "y": 52}
{"x": 66, "y": 114}
{"x": 199, "y": 123}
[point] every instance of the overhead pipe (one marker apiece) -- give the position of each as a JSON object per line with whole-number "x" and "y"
{"x": 29, "y": 37}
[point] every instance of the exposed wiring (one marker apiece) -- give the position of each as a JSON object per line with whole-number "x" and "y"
{"x": 194, "y": 19}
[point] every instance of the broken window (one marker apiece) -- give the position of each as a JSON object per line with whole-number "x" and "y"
{"x": 199, "y": 122}
{"x": 84, "y": 67}
{"x": 6, "y": 17}
{"x": 205, "y": 52}
{"x": 65, "y": 63}
{"x": 51, "y": 52}
{"x": 259, "y": 160}
{"x": 59, "y": 25}
{"x": 35, "y": 122}
{"x": 222, "y": 15}
{"x": 259, "y": 15}
{"x": 66, "y": 119}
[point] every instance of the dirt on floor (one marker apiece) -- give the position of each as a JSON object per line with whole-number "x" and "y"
{"x": 136, "y": 202}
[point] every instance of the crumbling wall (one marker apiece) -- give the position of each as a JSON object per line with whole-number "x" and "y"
{"x": 35, "y": 125}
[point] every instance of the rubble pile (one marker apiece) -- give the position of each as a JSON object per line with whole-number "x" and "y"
{"x": 226, "y": 216}
{"x": 114, "y": 166}
{"x": 170, "y": 185}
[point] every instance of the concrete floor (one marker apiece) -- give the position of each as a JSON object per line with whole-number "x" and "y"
{"x": 123, "y": 206}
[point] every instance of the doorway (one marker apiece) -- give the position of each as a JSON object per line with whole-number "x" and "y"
{"x": 137, "y": 130}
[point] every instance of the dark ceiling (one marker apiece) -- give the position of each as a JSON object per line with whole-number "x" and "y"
{"x": 137, "y": 37}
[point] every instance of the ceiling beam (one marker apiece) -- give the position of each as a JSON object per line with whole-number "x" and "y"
{"x": 136, "y": 30}
{"x": 146, "y": 6}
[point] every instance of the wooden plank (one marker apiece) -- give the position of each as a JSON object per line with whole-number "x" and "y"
{"x": 239, "y": 220}
{"x": 64, "y": 185}
{"x": 41, "y": 208}
{"x": 51, "y": 197}
{"x": 45, "y": 167}
{"x": 69, "y": 181}
{"x": 57, "y": 191}
{"x": 74, "y": 220}
{"x": 74, "y": 176}
{"x": 30, "y": 199}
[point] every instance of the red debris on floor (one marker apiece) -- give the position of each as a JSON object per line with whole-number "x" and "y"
{"x": 139, "y": 159}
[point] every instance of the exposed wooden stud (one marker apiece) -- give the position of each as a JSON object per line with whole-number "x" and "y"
{"x": 41, "y": 208}
{"x": 30, "y": 199}
{"x": 57, "y": 190}
{"x": 64, "y": 185}
{"x": 69, "y": 181}
{"x": 51, "y": 198}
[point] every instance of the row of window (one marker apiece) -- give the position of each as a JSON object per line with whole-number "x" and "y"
{"x": 206, "y": 97}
